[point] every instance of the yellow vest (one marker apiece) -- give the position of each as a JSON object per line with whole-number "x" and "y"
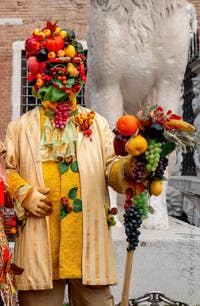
{"x": 65, "y": 234}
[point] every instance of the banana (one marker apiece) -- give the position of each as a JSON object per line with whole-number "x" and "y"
{"x": 180, "y": 124}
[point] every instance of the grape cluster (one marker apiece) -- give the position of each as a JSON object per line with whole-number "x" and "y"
{"x": 141, "y": 202}
{"x": 132, "y": 221}
{"x": 162, "y": 165}
{"x": 138, "y": 171}
{"x": 153, "y": 155}
{"x": 61, "y": 114}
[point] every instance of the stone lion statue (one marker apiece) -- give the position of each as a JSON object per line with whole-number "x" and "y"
{"x": 137, "y": 53}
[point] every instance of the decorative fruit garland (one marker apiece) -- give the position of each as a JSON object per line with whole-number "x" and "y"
{"x": 148, "y": 138}
{"x": 60, "y": 112}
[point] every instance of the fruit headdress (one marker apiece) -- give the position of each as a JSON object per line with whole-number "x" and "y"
{"x": 55, "y": 63}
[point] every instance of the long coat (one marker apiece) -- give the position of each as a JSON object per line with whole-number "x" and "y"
{"x": 32, "y": 246}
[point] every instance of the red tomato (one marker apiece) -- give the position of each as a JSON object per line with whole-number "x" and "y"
{"x": 42, "y": 66}
{"x": 55, "y": 43}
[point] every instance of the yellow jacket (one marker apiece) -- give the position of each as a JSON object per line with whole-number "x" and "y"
{"x": 32, "y": 246}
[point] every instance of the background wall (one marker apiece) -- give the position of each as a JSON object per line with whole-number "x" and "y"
{"x": 196, "y": 3}
{"x": 17, "y": 21}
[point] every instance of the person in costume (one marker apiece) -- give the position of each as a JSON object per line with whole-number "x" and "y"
{"x": 7, "y": 290}
{"x": 60, "y": 161}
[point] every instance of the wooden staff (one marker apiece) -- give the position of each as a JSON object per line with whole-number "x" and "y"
{"x": 127, "y": 278}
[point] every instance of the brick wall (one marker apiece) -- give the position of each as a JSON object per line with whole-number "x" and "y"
{"x": 196, "y": 3}
{"x": 70, "y": 13}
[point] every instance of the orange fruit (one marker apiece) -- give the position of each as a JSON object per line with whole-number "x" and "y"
{"x": 13, "y": 230}
{"x": 136, "y": 145}
{"x": 60, "y": 53}
{"x": 156, "y": 188}
{"x": 51, "y": 55}
{"x": 47, "y": 32}
{"x": 127, "y": 125}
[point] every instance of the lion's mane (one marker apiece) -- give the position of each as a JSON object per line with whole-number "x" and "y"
{"x": 142, "y": 16}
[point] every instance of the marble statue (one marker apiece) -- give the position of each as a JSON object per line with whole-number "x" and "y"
{"x": 137, "y": 53}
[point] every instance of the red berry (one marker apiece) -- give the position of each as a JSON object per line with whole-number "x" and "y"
{"x": 64, "y": 200}
{"x": 114, "y": 210}
{"x": 13, "y": 222}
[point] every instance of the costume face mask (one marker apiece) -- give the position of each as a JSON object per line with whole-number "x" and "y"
{"x": 55, "y": 62}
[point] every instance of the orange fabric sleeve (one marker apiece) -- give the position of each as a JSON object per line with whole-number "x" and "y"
{"x": 14, "y": 182}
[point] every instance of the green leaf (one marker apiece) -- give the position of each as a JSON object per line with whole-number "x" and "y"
{"x": 74, "y": 166}
{"x": 73, "y": 112}
{"x": 74, "y": 43}
{"x": 168, "y": 148}
{"x": 70, "y": 82}
{"x": 59, "y": 83}
{"x": 158, "y": 178}
{"x": 72, "y": 193}
{"x": 63, "y": 167}
{"x": 77, "y": 205}
{"x": 50, "y": 114}
{"x": 79, "y": 48}
{"x": 63, "y": 212}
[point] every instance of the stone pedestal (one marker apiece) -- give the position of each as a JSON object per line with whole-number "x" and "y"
{"x": 185, "y": 195}
{"x": 166, "y": 261}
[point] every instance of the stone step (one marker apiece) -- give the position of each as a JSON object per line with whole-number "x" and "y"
{"x": 166, "y": 261}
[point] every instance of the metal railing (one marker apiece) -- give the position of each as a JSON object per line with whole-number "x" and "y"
{"x": 155, "y": 298}
{"x": 188, "y": 166}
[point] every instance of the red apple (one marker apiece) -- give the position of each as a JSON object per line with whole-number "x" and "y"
{"x": 32, "y": 45}
{"x": 119, "y": 144}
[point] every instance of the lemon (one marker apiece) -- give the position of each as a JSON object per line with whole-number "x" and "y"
{"x": 155, "y": 188}
{"x": 36, "y": 31}
{"x": 136, "y": 145}
{"x": 70, "y": 51}
{"x": 63, "y": 34}
{"x": 57, "y": 30}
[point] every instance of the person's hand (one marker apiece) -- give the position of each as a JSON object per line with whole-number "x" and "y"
{"x": 128, "y": 165}
{"x": 37, "y": 202}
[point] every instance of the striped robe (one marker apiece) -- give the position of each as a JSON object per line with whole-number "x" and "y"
{"x": 32, "y": 246}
